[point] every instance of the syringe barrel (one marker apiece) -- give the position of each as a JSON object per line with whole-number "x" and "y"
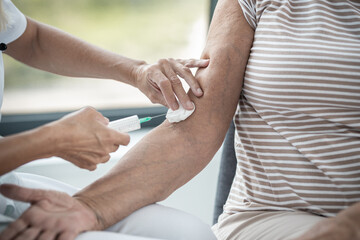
{"x": 127, "y": 124}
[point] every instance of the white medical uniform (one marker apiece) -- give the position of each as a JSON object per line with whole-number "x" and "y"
{"x": 15, "y": 28}
{"x": 149, "y": 223}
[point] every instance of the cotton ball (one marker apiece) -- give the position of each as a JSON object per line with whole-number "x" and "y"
{"x": 179, "y": 115}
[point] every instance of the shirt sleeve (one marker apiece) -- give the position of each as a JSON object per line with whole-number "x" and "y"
{"x": 16, "y": 23}
{"x": 249, "y": 10}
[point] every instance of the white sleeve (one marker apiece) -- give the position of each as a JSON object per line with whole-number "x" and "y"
{"x": 16, "y": 23}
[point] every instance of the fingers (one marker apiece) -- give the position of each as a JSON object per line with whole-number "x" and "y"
{"x": 88, "y": 160}
{"x": 105, "y": 120}
{"x": 92, "y": 141}
{"x": 193, "y": 63}
{"x": 22, "y": 194}
{"x": 161, "y": 84}
{"x": 19, "y": 230}
{"x": 88, "y": 157}
{"x": 56, "y": 216}
{"x": 30, "y": 233}
{"x": 190, "y": 79}
{"x": 119, "y": 138}
{"x": 97, "y": 115}
{"x": 170, "y": 85}
{"x": 46, "y": 235}
{"x": 177, "y": 88}
{"x": 67, "y": 236}
{"x": 185, "y": 73}
{"x": 87, "y": 113}
{"x": 14, "y": 229}
{"x": 166, "y": 89}
{"x": 172, "y": 69}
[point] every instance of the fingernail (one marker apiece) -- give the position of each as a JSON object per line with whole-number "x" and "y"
{"x": 205, "y": 61}
{"x": 189, "y": 104}
{"x": 199, "y": 91}
{"x": 175, "y": 106}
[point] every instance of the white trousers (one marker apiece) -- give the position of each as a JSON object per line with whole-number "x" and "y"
{"x": 152, "y": 222}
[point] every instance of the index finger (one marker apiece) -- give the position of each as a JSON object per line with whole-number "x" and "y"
{"x": 193, "y": 63}
{"x": 167, "y": 91}
{"x": 177, "y": 87}
{"x": 186, "y": 74}
{"x": 120, "y": 138}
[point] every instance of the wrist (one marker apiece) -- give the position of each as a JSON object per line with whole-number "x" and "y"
{"x": 135, "y": 73}
{"x": 43, "y": 139}
{"x": 95, "y": 219}
{"x": 49, "y": 136}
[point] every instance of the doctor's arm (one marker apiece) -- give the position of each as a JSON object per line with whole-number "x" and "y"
{"x": 167, "y": 157}
{"x": 50, "y": 49}
{"x": 82, "y": 138}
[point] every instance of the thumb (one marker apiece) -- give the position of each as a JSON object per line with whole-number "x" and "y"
{"x": 22, "y": 194}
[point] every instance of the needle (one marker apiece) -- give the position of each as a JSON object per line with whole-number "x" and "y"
{"x": 147, "y": 119}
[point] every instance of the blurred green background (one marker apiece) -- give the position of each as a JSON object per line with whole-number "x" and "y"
{"x": 143, "y": 29}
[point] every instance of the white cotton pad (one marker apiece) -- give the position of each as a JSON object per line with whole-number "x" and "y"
{"x": 179, "y": 115}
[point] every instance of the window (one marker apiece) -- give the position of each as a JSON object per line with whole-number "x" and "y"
{"x": 142, "y": 29}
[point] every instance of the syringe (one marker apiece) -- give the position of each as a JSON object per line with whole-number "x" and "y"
{"x": 131, "y": 123}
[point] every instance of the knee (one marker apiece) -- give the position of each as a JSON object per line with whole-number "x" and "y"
{"x": 161, "y": 222}
{"x": 192, "y": 228}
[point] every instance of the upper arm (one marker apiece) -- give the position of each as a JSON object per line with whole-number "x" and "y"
{"x": 229, "y": 27}
{"x": 22, "y": 48}
{"x": 228, "y": 46}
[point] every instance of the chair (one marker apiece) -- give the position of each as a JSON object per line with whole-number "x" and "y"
{"x": 226, "y": 172}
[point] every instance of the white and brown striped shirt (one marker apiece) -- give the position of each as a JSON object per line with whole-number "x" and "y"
{"x": 297, "y": 135}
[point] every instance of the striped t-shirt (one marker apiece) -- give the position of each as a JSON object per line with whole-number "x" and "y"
{"x": 297, "y": 135}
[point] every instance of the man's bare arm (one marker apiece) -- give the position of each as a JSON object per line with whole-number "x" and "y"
{"x": 172, "y": 154}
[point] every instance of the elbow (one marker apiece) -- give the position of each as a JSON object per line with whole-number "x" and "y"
{"x": 199, "y": 145}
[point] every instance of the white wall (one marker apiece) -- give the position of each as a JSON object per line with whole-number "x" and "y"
{"x": 196, "y": 197}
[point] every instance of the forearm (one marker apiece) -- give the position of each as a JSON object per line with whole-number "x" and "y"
{"x": 22, "y": 148}
{"x": 53, "y": 50}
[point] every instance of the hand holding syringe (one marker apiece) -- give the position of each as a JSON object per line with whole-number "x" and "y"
{"x": 133, "y": 123}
